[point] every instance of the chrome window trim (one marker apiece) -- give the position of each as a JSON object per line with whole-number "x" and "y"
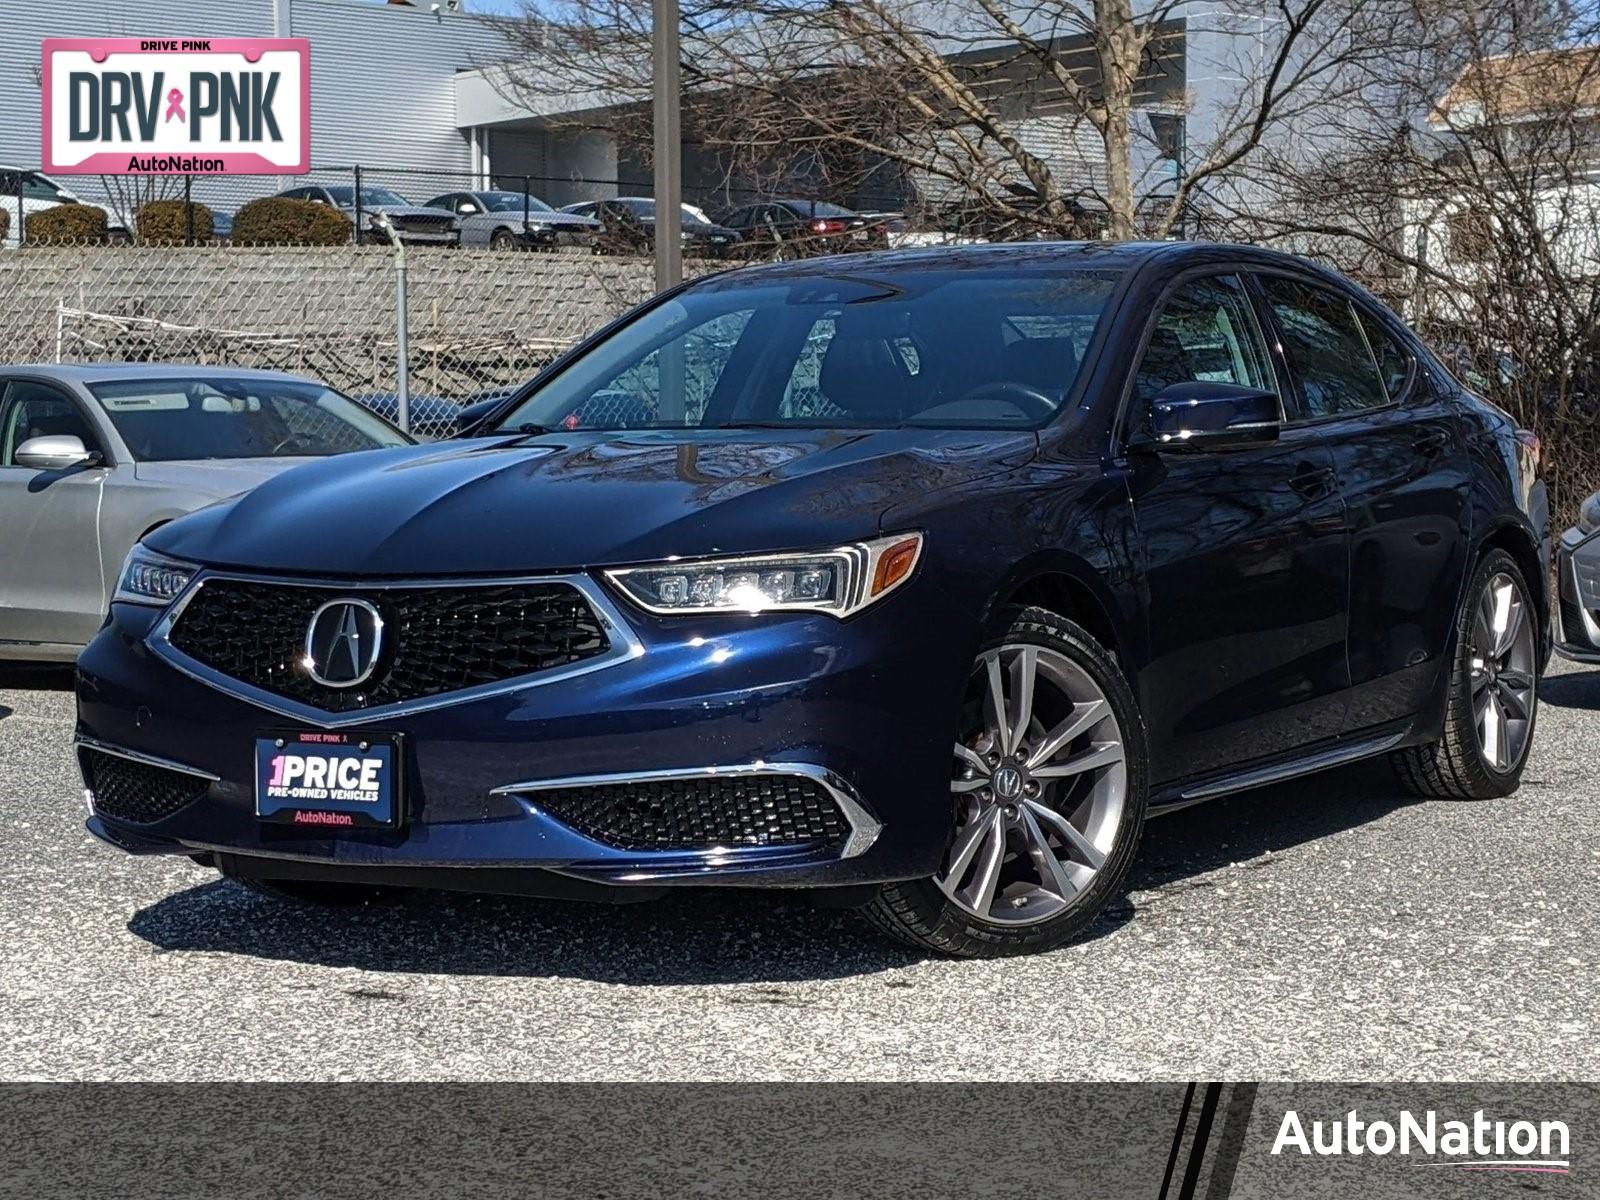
{"x": 625, "y": 646}
{"x": 864, "y": 827}
{"x": 138, "y": 757}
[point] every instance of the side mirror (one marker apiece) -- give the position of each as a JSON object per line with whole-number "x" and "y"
{"x": 469, "y": 421}
{"x": 1196, "y": 415}
{"x": 59, "y": 452}
{"x": 466, "y": 210}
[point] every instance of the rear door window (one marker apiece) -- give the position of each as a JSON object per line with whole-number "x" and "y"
{"x": 1326, "y": 348}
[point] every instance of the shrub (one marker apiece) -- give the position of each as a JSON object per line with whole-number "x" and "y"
{"x": 165, "y": 222}
{"x": 279, "y": 221}
{"x": 67, "y": 224}
{"x": 5, "y": 223}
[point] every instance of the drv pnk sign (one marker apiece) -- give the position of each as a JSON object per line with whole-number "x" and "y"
{"x": 170, "y": 106}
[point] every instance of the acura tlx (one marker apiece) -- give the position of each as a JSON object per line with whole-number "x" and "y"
{"x": 925, "y": 576}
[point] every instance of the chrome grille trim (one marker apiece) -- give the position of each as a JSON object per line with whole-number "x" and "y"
{"x": 625, "y": 645}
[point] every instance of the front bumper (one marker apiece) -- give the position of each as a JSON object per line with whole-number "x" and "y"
{"x": 863, "y": 706}
{"x": 1578, "y": 594}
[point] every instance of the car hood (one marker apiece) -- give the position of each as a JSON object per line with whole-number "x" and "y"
{"x": 218, "y": 477}
{"x": 570, "y": 501}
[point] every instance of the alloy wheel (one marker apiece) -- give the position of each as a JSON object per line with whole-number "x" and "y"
{"x": 1040, "y": 784}
{"x": 1503, "y": 672}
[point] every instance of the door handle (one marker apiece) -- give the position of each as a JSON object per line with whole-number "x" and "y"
{"x": 1431, "y": 443}
{"x": 1316, "y": 481}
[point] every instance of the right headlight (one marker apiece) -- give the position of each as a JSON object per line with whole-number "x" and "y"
{"x": 151, "y": 578}
{"x": 838, "y": 582}
{"x": 1589, "y": 514}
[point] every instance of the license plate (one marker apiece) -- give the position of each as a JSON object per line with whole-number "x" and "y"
{"x": 329, "y": 781}
{"x": 859, "y": 235}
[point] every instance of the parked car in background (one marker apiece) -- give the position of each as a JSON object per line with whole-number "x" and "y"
{"x": 515, "y": 221}
{"x": 927, "y": 575}
{"x": 629, "y": 227}
{"x": 799, "y": 228}
{"x": 1578, "y": 585}
{"x": 34, "y": 192}
{"x": 94, "y": 457}
{"x": 416, "y": 223}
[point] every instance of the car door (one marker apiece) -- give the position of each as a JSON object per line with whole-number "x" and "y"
{"x": 52, "y": 588}
{"x": 1395, "y": 445}
{"x": 1243, "y": 553}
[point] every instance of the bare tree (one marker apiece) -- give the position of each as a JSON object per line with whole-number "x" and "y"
{"x": 1027, "y": 115}
{"x": 1462, "y": 182}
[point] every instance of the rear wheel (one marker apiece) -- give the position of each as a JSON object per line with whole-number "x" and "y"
{"x": 1047, "y": 799}
{"x": 1493, "y": 703}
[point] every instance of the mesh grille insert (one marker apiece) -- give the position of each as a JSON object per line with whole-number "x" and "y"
{"x": 701, "y": 813}
{"x": 136, "y": 792}
{"x": 436, "y": 639}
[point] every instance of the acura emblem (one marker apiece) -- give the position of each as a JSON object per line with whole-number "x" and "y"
{"x": 1008, "y": 783}
{"x": 343, "y": 642}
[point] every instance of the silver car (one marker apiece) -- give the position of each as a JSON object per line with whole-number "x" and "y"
{"x": 94, "y": 457}
{"x": 514, "y": 221}
{"x": 414, "y": 223}
{"x": 1578, "y": 585}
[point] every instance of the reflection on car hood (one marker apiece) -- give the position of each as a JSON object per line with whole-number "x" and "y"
{"x": 568, "y": 501}
{"x": 219, "y": 477}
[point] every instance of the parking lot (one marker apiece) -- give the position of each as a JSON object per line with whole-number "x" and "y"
{"x": 1331, "y": 928}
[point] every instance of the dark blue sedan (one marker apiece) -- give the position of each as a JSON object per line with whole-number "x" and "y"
{"x": 926, "y": 575}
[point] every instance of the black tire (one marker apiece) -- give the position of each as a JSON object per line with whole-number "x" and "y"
{"x": 920, "y": 913}
{"x": 1455, "y": 767}
{"x": 504, "y": 239}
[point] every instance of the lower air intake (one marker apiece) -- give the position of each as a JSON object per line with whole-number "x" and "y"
{"x": 701, "y": 813}
{"x": 135, "y": 792}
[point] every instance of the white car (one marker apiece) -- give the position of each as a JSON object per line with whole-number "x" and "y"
{"x": 37, "y": 192}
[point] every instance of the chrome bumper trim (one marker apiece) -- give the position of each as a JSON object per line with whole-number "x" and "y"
{"x": 625, "y": 645}
{"x": 864, "y": 827}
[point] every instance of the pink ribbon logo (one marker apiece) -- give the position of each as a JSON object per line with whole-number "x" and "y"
{"x": 175, "y": 105}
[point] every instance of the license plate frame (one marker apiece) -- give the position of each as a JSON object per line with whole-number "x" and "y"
{"x": 300, "y": 794}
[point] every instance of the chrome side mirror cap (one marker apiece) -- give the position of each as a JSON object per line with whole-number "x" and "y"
{"x": 58, "y": 452}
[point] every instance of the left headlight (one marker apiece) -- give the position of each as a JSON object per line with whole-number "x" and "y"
{"x": 838, "y": 582}
{"x": 151, "y": 578}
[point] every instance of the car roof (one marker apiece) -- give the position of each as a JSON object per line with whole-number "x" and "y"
{"x": 103, "y": 372}
{"x": 1119, "y": 255}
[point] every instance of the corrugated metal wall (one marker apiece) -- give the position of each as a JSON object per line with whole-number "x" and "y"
{"x": 381, "y": 90}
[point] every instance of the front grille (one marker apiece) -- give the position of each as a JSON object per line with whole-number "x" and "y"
{"x": 698, "y": 814}
{"x": 435, "y": 639}
{"x": 137, "y": 792}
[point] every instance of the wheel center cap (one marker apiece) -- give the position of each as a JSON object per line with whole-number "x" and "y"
{"x": 1008, "y": 781}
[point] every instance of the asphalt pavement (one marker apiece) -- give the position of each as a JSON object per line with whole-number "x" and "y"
{"x": 1328, "y": 929}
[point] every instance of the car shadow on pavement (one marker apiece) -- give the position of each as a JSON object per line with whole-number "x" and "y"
{"x": 1571, "y": 689}
{"x": 36, "y": 677}
{"x": 711, "y": 936}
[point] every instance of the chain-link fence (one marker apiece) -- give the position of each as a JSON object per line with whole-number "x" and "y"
{"x": 480, "y": 323}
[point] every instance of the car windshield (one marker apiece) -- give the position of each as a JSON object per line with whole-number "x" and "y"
{"x": 512, "y": 202}
{"x": 345, "y": 196}
{"x": 989, "y": 348}
{"x": 199, "y": 417}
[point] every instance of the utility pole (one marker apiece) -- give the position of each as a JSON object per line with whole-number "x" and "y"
{"x": 668, "y": 144}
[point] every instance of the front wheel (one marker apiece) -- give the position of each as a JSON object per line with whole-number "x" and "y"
{"x": 1047, "y": 799}
{"x": 1493, "y": 701}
